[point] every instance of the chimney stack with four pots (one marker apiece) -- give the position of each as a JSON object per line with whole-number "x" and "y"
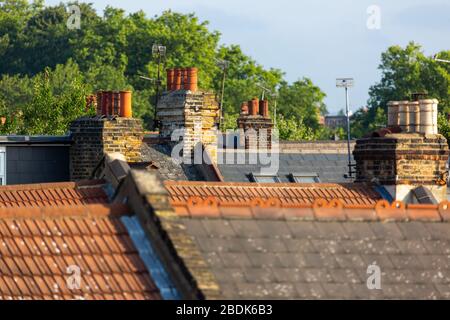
{"x": 182, "y": 79}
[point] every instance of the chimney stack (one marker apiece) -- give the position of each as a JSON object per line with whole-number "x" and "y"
{"x": 94, "y": 137}
{"x": 255, "y": 124}
{"x": 401, "y": 162}
{"x": 186, "y": 107}
{"x": 113, "y": 103}
{"x": 182, "y": 79}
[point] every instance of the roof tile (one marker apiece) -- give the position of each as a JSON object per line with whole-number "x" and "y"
{"x": 38, "y": 244}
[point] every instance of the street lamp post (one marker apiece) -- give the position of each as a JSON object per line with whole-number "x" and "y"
{"x": 347, "y": 83}
{"x": 160, "y": 52}
{"x": 224, "y": 65}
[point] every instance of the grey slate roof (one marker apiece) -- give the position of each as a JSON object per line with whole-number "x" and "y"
{"x": 160, "y": 155}
{"x": 329, "y": 167}
{"x": 273, "y": 259}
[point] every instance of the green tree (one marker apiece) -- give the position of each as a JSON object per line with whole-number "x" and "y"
{"x": 111, "y": 51}
{"x": 49, "y": 113}
{"x": 302, "y": 100}
{"x": 406, "y": 71}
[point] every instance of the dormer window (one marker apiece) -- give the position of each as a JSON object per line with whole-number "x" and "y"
{"x": 308, "y": 177}
{"x": 264, "y": 178}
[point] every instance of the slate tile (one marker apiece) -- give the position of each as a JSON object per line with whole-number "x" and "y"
{"x": 310, "y": 290}
{"x": 338, "y": 290}
{"x": 394, "y": 276}
{"x": 265, "y": 260}
{"x": 417, "y": 291}
{"x": 362, "y": 292}
{"x": 411, "y": 246}
{"x": 299, "y": 245}
{"x": 433, "y": 276}
{"x": 437, "y": 246}
{"x": 218, "y": 227}
{"x": 317, "y": 275}
{"x": 291, "y": 260}
{"x": 387, "y": 247}
{"x": 289, "y": 275}
{"x": 304, "y": 230}
{"x": 271, "y": 229}
{"x": 213, "y": 259}
{"x": 444, "y": 290}
{"x": 235, "y": 259}
{"x": 228, "y": 291}
{"x": 281, "y": 290}
{"x": 388, "y": 230}
{"x": 416, "y": 230}
{"x": 229, "y": 275}
{"x": 382, "y": 261}
{"x": 219, "y": 245}
{"x": 434, "y": 261}
{"x": 405, "y": 262}
{"x": 438, "y": 231}
{"x": 195, "y": 227}
{"x": 263, "y": 245}
{"x": 346, "y": 276}
{"x": 350, "y": 261}
{"x": 331, "y": 230}
{"x": 246, "y": 228}
{"x": 253, "y": 290}
{"x": 327, "y": 246}
{"x": 259, "y": 275}
{"x": 358, "y": 230}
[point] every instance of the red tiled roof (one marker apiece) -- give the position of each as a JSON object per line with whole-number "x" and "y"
{"x": 321, "y": 209}
{"x": 53, "y": 194}
{"x": 38, "y": 245}
{"x": 288, "y": 193}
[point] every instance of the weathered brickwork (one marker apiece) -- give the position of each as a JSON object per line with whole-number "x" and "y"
{"x": 195, "y": 112}
{"x": 93, "y": 137}
{"x": 402, "y": 159}
{"x": 255, "y": 131}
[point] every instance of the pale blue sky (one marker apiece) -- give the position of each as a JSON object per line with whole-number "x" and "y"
{"x": 320, "y": 39}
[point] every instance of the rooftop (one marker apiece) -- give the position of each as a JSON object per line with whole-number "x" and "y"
{"x": 42, "y": 247}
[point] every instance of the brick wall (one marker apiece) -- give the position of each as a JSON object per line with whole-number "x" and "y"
{"x": 94, "y": 137}
{"x": 196, "y": 112}
{"x": 255, "y": 131}
{"x": 414, "y": 159}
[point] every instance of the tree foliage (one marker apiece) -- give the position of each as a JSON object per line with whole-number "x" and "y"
{"x": 405, "y": 71}
{"x": 112, "y": 50}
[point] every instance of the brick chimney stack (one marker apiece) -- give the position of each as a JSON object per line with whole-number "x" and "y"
{"x": 113, "y": 130}
{"x": 415, "y": 157}
{"x": 184, "y": 106}
{"x": 255, "y": 124}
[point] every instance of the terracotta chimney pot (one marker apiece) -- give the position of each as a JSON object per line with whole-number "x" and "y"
{"x": 264, "y": 108}
{"x": 125, "y": 104}
{"x": 244, "y": 108}
{"x": 191, "y": 76}
{"x": 105, "y": 103}
{"x": 177, "y": 79}
{"x": 99, "y": 103}
{"x": 170, "y": 79}
{"x": 254, "y": 107}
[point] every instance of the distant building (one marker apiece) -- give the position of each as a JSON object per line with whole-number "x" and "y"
{"x": 334, "y": 122}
